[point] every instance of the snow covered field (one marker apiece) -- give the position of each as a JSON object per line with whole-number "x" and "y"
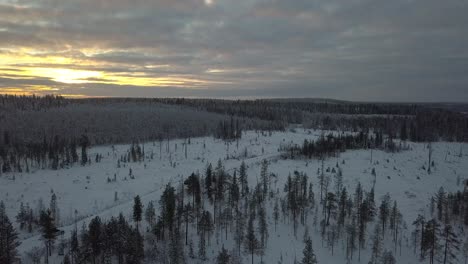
{"x": 84, "y": 192}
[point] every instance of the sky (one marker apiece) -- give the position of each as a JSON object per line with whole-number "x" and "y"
{"x": 398, "y": 50}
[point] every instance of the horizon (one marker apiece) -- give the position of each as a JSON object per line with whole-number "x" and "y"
{"x": 249, "y": 98}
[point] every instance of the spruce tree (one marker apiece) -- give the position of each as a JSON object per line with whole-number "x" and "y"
{"x": 308, "y": 253}
{"x": 137, "y": 210}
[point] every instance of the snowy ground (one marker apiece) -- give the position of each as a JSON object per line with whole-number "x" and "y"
{"x": 86, "y": 190}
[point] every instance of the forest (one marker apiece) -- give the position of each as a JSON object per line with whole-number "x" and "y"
{"x": 220, "y": 181}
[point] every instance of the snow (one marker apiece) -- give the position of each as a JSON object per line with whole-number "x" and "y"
{"x": 86, "y": 190}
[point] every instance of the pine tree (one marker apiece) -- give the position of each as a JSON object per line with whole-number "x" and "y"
{"x": 54, "y": 209}
{"x": 150, "y": 213}
{"x": 234, "y": 192}
{"x": 176, "y": 251}
{"x": 243, "y": 179}
{"x": 74, "y": 246}
{"x": 376, "y": 246}
{"x": 193, "y": 188}
{"x": 384, "y": 212}
{"x": 418, "y": 233}
{"x": 338, "y": 182}
{"x": 430, "y": 240}
{"x": 66, "y": 259}
{"x": 137, "y": 210}
{"x": 84, "y": 143}
{"x": 330, "y": 205}
{"x": 465, "y": 251}
{"x": 276, "y": 213}
{"x": 168, "y": 206}
{"x": 49, "y": 231}
{"x": 134, "y": 247}
{"x": 202, "y": 247}
{"x": 265, "y": 178}
{"x": 451, "y": 245}
{"x": 351, "y": 237}
{"x": 263, "y": 227}
{"x": 95, "y": 235}
{"x": 441, "y": 203}
{"x": 252, "y": 245}
{"x": 223, "y": 257}
{"x": 309, "y": 255}
{"x": 388, "y": 258}
{"x": 8, "y": 238}
{"x": 239, "y": 230}
{"x": 209, "y": 182}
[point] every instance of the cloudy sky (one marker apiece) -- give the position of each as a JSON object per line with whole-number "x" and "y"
{"x": 398, "y": 50}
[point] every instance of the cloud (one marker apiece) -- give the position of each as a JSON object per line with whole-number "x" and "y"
{"x": 355, "y": 49}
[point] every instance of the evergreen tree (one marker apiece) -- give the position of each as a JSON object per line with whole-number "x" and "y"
{"x": 384, "y": 212}
{"x": 243, "y": 179}
{"x": 351, "y": 232}
{"x": 388, "y": 258}
{"x": 234, "y": 192}
{"x": 223, "y": 257}
{"x": 134, "y": 246}
{"x": 263, "y": 227}
{"x": 193, "y": 188}
{"x": 66, "y": 259}
{"x": 168, "y": 206}
{"x": 252, "y": 245}
{"x": 84, "y": 143}
{"x": 441, "y": 203}
{"x": 74, "y": 246}
{"x": 49, "y": 231}
{"x": 176, "y": 250}
{"x": 451, "y": 245}
{"x": 465, "y": 251}
{"x": 150, "y": 213}
{"x": 264, "y": 178}
{"x": 137, "y": 210}
{"x": 330, "y": 205}
{"x": 95, "y": 237}
{"x": 209, "y": 182}
{"x": 376, "y": 246}
{"x": 202, "y": 248}
{"x": 309, "y": 255}
{"x": 54, "y": 209}
{"x": 430, "y": 240}
{"x": 276, "y": 213}
{"x": 8, "y": 238}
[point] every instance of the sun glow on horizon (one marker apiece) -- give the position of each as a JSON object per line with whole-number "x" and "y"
{"x": 69, "y": 76}
{"x": 32, "y": 69}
